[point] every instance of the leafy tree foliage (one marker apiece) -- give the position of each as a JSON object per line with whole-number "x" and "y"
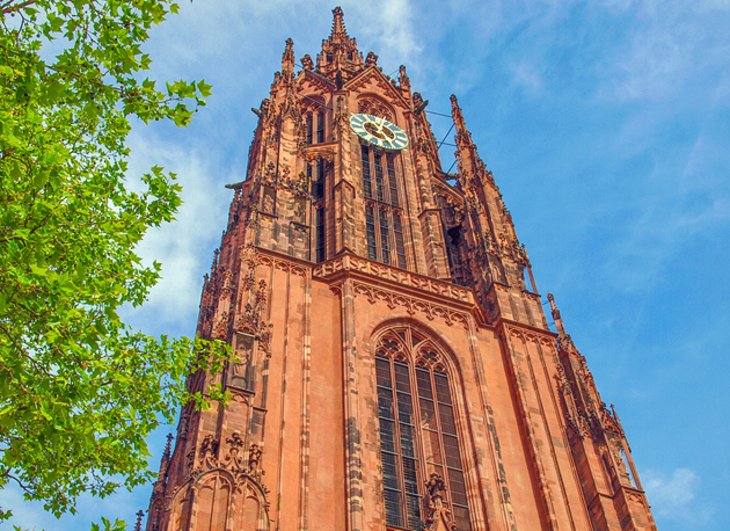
{"x": 80, "y": 390}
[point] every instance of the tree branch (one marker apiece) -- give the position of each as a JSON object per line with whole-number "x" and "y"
{"x": 8, "y": 7}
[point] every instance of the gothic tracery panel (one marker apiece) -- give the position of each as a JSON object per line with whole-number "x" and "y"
{"x": 418, "y": 428}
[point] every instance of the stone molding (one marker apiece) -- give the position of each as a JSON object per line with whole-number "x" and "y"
{"x": 347, "y": 262}
{"x": 411, "y": 304}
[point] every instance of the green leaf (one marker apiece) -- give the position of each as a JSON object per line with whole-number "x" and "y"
{"x": 204, "y": 88}
{"x": 80, "y": 390}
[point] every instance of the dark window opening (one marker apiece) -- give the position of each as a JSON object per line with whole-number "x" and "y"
{"x": 370, "y": 232}
{"x": 392, "y": 181}
{"x": 319, "y": 183}
{"x": 319, "y": 248}
{"x": 320, "y": 127}
{"x": 385, "y": 227}
{"x": 454, "y": 234}
{"x": 379, "y": 176}
{"x": 366, "y": 180}
{"x": 309, "y": 128}
{"x": 400, "y": 248}
{"x": 384, "y": 236}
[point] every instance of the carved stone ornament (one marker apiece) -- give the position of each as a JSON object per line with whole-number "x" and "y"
{"x": 307, "y": 62}
{"x": 371, "y": 59}
{"x": 411, "y": 305}
{"x": 375, "y": 269}
{"x": 220, "y": 329}
{"x": 208, "y": 454}
{"x": 438, "y": 515}
{"x": 376, "y": 108}
{"x": 234, "y": 459}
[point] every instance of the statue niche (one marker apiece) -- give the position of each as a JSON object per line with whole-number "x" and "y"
{"x": 240, "y": 375}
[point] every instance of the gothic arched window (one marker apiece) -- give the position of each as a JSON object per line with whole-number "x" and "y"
{"x": 384, "y": 227}
{"x": 418, "y": 433}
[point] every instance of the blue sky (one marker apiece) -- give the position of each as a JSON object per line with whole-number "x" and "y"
{"x": 607, "y": 127}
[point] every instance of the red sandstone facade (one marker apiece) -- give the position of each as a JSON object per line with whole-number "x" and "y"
{"x": 393, "y": 364}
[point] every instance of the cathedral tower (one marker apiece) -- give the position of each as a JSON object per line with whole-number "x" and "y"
{"x": 393, "y": 367}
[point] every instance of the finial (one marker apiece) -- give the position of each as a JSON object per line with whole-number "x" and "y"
{"x": 166, "y": 456}
{"x": 462, "y": 133}
{"x": 138, "y": 525}
{"x": 457, "y": 115}
{"x": 556, "y": 314}
{"x": 456, "y": 112}
{"x": 287, "y": 60}
{"x": 403, "y": 78}
{"x": 371, "y": 59}
{"x": 307, "y": 62}
{"x": 338, "y": 24}
{"x": 168, "y": 445}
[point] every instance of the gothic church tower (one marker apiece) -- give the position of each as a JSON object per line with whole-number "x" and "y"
{"x": 393, "y": 367}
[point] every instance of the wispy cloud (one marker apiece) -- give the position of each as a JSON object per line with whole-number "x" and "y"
{"x": 674, "y": 496}
{"x": 182, "y": 247}
{"x": 669, "y": 44}
{"x": 527, "y": 76}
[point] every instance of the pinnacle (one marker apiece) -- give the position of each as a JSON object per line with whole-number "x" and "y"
{"x": 338, "y": 22}
{"x": 458, "y": 117}
{"x": 556, "y": 314}
{"x": 287, "y": 59}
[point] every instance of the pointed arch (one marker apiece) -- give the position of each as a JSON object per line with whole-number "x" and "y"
{"x": 417, "y": 379}
{"x": 219, "y": 500}
{"x": 371, "y": 103}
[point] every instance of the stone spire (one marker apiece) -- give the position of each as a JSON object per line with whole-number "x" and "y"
{"x": 339, "y": 56}
{"x": 339, "y": 31}
{"x": 556, "y": 315}
{"x": 287, "y": 59}
{"x": 165, "y": 461}
{"x": 462, "y": 133}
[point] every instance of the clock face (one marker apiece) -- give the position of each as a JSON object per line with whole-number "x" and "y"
{"x": 378, "y": 131}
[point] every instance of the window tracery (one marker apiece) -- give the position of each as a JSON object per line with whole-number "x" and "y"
{"x": 376, "y": 107}
{"x": 383, "y": 216}
{"x": 418, "y": 429}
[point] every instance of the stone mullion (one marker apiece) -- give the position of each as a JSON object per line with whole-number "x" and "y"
{"x": 345, "y": 184}
{"x": 413, "y": 202}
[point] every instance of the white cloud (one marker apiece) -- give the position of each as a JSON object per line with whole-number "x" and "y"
{"x": 669, "y": 44}
{"x": 183, "y": 247}
{"x": 392, "y": 28}
{"x": 527, "y": 76}
{"x": 674, "y": 496}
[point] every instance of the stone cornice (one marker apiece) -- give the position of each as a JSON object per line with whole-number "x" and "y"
{"x": 418, "y": 291}
{"x": 394, "y": 277}
{"x": 533, "y": 333}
